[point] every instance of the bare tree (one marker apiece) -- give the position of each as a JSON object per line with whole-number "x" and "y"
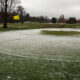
{"x": 6, "y": 7}
{"x": 21, "y": 12}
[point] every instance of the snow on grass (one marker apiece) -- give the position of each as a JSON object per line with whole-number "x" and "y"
{"x": 31, "y": 69}
{"x": 27, "y": 54}
{"x": 32, "y": 44}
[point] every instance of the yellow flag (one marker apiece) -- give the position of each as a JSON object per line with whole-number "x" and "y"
{"x": 16, "y": 17}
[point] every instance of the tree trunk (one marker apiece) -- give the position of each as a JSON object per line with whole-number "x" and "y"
{"x": 5, "y": 15}
{"x": 22, "y": 17}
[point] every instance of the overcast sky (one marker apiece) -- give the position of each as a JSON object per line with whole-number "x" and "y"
{"x": 52, "y": 8}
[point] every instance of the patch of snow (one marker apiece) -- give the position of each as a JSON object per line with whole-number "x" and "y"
{"x": 32, "y": 44}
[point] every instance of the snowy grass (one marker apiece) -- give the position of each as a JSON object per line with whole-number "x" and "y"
{"x": 60, "y": 33}
{"x": 29, "y": 55}
{"x": 19, "y": 68}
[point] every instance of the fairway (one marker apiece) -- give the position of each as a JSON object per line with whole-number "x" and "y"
{"x": 30, "y": 55}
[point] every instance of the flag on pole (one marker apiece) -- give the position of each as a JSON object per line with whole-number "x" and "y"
{"x": 16, "y": 17}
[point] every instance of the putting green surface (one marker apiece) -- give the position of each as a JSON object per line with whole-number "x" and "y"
{"x": 60, "y": 33}
{"x": 27, "y": 54}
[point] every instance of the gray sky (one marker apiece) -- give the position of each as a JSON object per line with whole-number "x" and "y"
{"x": 52, "y": 8}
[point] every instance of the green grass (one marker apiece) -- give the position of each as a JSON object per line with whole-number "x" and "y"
{"x": 24, "y": 26}
{"x": 60, "y": 33}
{"x": 35, "y": 25}
{"x": 19, "y": 68}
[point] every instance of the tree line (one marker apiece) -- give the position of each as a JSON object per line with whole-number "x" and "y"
{"x": 10, "y": 8}
{"x": 61, "y": 19}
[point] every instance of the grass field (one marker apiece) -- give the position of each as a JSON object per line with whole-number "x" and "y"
{"x": 20, "y": 68}
{"x": 30, "y": 55}
{"x": 32, "y": 25}
{"x": 60, "y": 33}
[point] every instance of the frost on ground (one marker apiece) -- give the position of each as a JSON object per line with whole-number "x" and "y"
{"x": 30, "y": 43}
{"x": 39, "y": 57}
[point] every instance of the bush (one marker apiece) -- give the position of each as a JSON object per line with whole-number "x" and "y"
{"x": 54, "y": 20}
{"x": 72, "y": 20}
